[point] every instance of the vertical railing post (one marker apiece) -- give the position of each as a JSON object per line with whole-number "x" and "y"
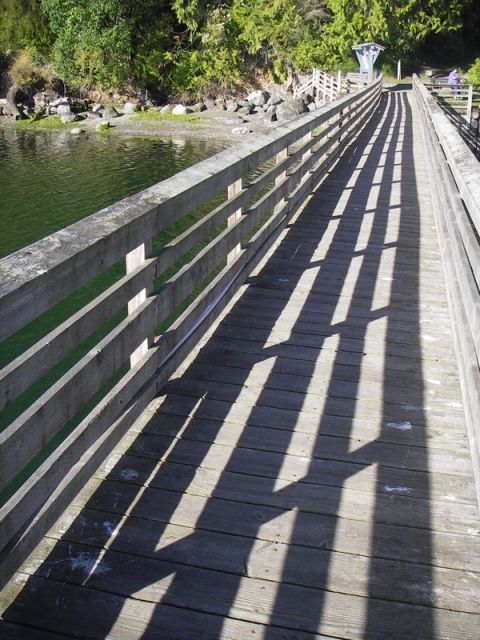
{"x": 470, "y": 103}
{"x": 232, "y": 191}
{"x": 281, "y": 155}
{"x": 133, "y": 260}
{"x": 307, "y": 153}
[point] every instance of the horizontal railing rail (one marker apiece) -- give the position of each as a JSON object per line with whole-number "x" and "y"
{"x": 455, "y": 179}
{"x": 462, "y": 97}
{"x": 188, "y": 243}
{"x": 461, "y": 105}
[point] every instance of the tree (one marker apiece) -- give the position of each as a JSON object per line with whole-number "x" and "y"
{"x": 281, "y": 33}
{"x": 107, "y": 43}
{"x": 400, "y": 26}
{"x": 23, "y": 25}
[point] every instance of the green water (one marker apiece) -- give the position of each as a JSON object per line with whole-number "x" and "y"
{"x": 48, "y": 180}
{"x": 51, "y": 179}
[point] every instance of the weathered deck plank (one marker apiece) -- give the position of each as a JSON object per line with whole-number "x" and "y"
{"x": 307, "y": 473}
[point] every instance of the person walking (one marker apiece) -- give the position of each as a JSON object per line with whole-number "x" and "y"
{"x": 454, "y": 81}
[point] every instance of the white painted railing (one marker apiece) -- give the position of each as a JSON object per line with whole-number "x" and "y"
{"x": 323, "y": 87}
{"x": 69, "y": 398}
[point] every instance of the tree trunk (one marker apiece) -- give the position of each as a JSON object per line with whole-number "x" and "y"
{"x": 11, "y": 95}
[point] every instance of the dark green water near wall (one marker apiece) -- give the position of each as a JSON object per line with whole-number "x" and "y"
{"x": 51, "y": 179}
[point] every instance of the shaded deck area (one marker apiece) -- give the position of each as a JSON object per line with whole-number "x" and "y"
{"x": 307, "y": 473}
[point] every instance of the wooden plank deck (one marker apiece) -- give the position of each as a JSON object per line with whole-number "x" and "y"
{"x": 306, "y": 474}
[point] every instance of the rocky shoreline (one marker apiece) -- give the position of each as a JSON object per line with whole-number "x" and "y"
{"x": 226, "y": 120}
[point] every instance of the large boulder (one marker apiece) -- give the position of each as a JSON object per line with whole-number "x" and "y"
{"x": 274, "y": 100}
{"x": 131, "y": 107}
{"x": 198, "y": 107}
{"x": 180, "y": 110}
{"x": 63, "y": 108}
{"x": 270, "y": 114}
{"x": 109, "y": 113}
{"x": 68, "y": 118}
{"x": 258, "y": 98}
{"x": 290, "y": 109}
{"x": 245, "y": 111}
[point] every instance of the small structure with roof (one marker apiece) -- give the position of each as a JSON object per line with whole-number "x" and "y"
{"x": 367, "y": 53}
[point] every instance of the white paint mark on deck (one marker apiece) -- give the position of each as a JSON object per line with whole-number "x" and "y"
{"x": 403, "y": 491}
{"x": 401, "y": 426}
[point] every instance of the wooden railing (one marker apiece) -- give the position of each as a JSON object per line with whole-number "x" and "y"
{"x": 463, "y": 98}
{"x": 461, "y": 105}
{"x": 455, "y": 178}
{"x": 189, "y": 243}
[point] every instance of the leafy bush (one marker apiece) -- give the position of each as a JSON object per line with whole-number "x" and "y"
{"x": 473, "y": 73}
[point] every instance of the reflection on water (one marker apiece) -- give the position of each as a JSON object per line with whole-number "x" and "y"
{"x": 51, "y": 179}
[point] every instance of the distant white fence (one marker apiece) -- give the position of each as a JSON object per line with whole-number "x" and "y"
{"x": 323, "y": 87}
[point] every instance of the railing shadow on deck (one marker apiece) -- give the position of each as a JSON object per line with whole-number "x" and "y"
{"x": 172, "y": 469}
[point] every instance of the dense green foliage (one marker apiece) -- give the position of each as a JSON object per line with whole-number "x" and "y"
{"x": 197, "y": 45}
{"x": 474, "y": 72}
{"x": 23, "y": 25}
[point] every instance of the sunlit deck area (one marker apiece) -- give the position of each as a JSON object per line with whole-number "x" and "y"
{"x": 307, "y": 473}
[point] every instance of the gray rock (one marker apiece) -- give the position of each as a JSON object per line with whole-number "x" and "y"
{"x": 76, "y": 131}
{"x": 68, "y": 118}
{"x": 131, "y": 107}
{"x": 245, "y": 111}
{"x": 180, "y": 110}
{"x": 63, "y": 108}
{"x": 240, "y": 131}
{"x": 290, "y": 109}
{"x": 109, "y": 112}
{"x": 258, "y": 98}
{"x": 270, "y": 115}
{"x": 232, "y": 107}
{"x": 273, "y": 100}
{"x": 198, "y": 107}
{"x": 166, "y": 109}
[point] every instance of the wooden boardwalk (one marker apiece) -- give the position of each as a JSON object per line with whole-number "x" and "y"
{"x": 307, "y": 473}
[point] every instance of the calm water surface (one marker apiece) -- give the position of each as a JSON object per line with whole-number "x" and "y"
{"x": 48, "y": 180}
{"x": 51, "y": 179}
